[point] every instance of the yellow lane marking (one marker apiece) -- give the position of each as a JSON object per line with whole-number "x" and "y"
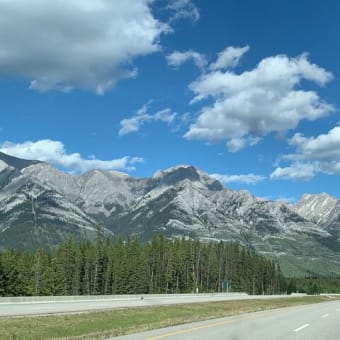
{"x": 220, "y": 323}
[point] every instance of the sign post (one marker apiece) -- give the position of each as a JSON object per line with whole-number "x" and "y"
{"x": 225, "y": 285}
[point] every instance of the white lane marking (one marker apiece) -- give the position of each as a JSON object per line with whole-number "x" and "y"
{"x": 301, "y": 328}
{"x": 324, "y": 316}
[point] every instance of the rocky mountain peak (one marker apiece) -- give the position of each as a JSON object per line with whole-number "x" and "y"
{"x": 177, "y": 173}
{"x": 174, "y": 175}
{"x": 41, "y": 205}
{"x": 120, "y": 174}
{"x": 16, "y": 163}
{"x": 316, "y": 207}
{"x": 3, "y": 165}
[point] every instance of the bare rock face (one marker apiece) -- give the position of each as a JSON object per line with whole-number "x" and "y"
{"x": 16, "y": 163}
{"x": 41, "y": 206}
{"x": 35, "y": 213}
{"x": 318, "y": 208}
{"x": 323, "y": 210}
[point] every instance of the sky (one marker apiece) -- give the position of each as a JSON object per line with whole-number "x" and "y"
{"x": 247, "y": 91}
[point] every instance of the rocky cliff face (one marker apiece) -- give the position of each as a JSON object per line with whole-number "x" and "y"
{"x": 33, "y": 213}
{"x": 324, "y": 210}
{"x": 319, "y": 208}
{"x": 40, "y": 205}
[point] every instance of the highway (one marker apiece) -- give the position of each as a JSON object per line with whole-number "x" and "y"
{"x": 311, "y": 322}
{"x": 10, "y": 307}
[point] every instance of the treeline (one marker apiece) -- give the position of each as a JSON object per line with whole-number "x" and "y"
{"x": 132, "y": 267}
{"x": 313, "y": 285}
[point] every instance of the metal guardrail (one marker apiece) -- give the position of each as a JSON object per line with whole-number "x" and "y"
{"x": 89, "y": 298}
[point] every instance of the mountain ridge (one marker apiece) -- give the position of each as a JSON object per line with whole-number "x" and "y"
{"x": 182, "y": 201}
{"x": 15, "y": 162}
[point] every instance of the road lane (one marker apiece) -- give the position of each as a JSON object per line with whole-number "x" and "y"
{"x": 41, "y": 306}
{"x": 292, "y": 323}
{"x": 53, "y": 305}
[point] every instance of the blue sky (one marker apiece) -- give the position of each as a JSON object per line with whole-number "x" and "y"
{"x": 248, "y": 91}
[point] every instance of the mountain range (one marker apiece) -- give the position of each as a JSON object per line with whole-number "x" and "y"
{"x": 42, "y": 206}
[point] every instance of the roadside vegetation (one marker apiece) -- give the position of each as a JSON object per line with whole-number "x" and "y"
{"x": 132, "y": 267}
{"x": 101, "y": 325}
{"x": 314, "y": 285}
{"x": 160, "y": 266}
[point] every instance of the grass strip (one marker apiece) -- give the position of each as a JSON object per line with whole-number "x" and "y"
{"x": 104, "y": 324}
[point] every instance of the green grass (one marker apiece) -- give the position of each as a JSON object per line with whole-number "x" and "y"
{"x": 103, "y": 324}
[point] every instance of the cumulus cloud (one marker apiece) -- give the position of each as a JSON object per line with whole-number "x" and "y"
{"x": 133, "y": 124}
{"x": 178, "y": 58}
{"x": 246, "y": 178}
{"x": 297, "y": 171}
{"x": 76, "y": 44}
{"x": 54, "y": 152}
{"x": 312, "y": 155}
{"x": 229, "y": 58}
{"x": 183, "y": 9}
{"x": 325, "y": 147}
{"x": 254, "y": 103}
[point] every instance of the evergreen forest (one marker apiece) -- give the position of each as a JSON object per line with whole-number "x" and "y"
{"x": 132, "y": 267}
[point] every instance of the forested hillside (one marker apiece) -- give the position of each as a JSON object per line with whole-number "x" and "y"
{"x": 132, "y": 267}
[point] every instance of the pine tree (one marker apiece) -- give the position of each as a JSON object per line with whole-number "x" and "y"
{"x": 159, "y": 266}
{"x": 67, "y": 267}
{"x": 120, "y": 274}
{"x": 40, "y": 273}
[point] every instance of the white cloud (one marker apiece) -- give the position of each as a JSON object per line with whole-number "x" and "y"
{"x": 178, "y": 58}
{"x": 183, "y": 9}
{"x": 282, "y": 199}
{"x": 325, "y": 147}
{"x": 54, "y": 152}
{"x": 129, "y": 125}
{"x": 247, "y": 178}
{"x": 312, "y": 155}
{"x": 229, "y": 58}
{"x": 266, "y": 99}
{"x": 297, "y": 171}
{"x": 165, "y": 115}
{"x": 236, "y": 144}
{"x": 133, "y": 124}
{"x": 75, "y": 44}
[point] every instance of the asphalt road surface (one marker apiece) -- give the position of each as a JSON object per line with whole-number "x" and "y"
{"x": 311, "y": 322}
{"x": 43, "y": 306}
{"x": 54, "y": 305}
